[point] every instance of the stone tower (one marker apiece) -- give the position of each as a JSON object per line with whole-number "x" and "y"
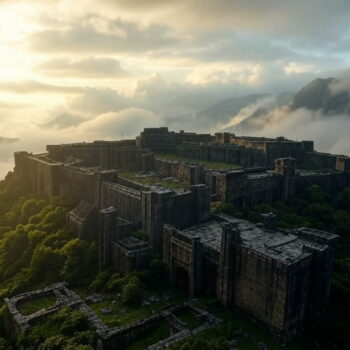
{"x": 107, "y": 228}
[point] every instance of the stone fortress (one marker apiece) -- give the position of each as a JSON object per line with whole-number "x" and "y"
{"x": 163, "y": 183}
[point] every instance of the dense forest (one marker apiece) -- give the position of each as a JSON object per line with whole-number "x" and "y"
{"x": 36, "y": 249}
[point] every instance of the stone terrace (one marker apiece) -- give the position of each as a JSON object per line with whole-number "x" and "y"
{"x": 108, "y": 338}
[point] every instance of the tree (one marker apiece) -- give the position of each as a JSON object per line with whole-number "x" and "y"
{"x": 45, "y": 264}
{"x": 56, "y": 342}
{"x": 80, "y": 262}
{"x": 100, "y": 281}
{"x": 132, "y": 292}
{"x": 116, "y": 283}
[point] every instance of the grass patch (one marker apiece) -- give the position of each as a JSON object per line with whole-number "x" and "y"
{"x": 159, "y": 332}
{"x": 153, "y": 180}
{"x": 189, "y": 318}
{"x": 233, "y": 322}
{"x": 29, "y": 307}
{"x": 207, "y": 163}
{"x": 123, "y": 314}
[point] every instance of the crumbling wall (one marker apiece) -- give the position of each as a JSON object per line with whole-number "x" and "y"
{"x": 283, "y": 149}
{"x": 317, "y": 160}
{"x": 249, "y": 188}
{"x": 190, "y": 174}
{"x": 83, "y": 221}
{"x": 109, "y": 155}
{"x": 38, "y": 173}
{"x": 127, "y": 158}
{"x": 183, "y": 255}
{"x": 330, "y": 182}
{"x": 78, "y": 184}
{"x": 224, "y": 153}
{"x": 130, "y": 255}
{"x": 260, "y": 286}
{"x": 186, "y": 209}
{"x": 162, "y": 140}
{"x": 343, "y": 164}
{"x": 126, "y": 200}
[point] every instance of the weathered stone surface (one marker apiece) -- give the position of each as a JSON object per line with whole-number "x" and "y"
{"x": 268, "y": 273}
{"x": 261, "y": 270}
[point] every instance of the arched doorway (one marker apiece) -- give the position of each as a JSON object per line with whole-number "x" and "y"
{"x": 182, "y": 279}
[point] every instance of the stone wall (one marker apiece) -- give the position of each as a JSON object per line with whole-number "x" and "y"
{"x": 247, "y": 187}
{"x": 188, "y": 208}
{"x": 190, "y": 174}
{"x": 232, "y": 154}
{"x": 331, "y": 182}
{"x": 162, "y": 140}
{"x": 39, "y": 173}
{"x": 285, "y": 296}
{"x": 343, "y": 164}
{"x": 130, "y": 255}
{"x": 261, "y": 287}
{"x": 183, "y": 257}
{"x": 274, "y": 148}
{"x": 82, "y": 221}
{"x": 317, "y": 160}
{"x": 320, "y": 283}
{"x": 126, "y": 200}
{"x": 127, "y": 158}
{"x": 123, "y": 155}
{"x": 77, "y": 183}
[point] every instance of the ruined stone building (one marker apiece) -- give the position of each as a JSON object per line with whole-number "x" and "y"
{"x": 163, "y": 183}
{"x": 279, "y": 277}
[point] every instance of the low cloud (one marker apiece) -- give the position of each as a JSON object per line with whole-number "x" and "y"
{"x": 299, "y": 68}
{"x": 32, "y": 86}
{"x": 330, "y": 133}
{"x": 302, "y": 22}
{"x": 117, "y": 125}
{"x": 97, "y": 101}
{"x": 85, "y": 68}
{"x": 98, "y": 34}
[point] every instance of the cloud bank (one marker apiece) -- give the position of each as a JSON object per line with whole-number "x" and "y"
{"x": 74, "y": 71}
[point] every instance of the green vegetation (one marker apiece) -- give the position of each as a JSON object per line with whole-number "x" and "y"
{"x": 219, "y": 337}
{"x": 31, "y": 306}
{"x": 35, "y": 250}
{"x": 152, "y": 180}
{"x": 189, "y": 318}
{"x": 207, "y": 163}
{"x": 313, "y": 208}
{"x": 123, "y": 295}
{"x": 141, "y": 234}
{"x": 160, "y": 331}
{"x": 67, "y": 330}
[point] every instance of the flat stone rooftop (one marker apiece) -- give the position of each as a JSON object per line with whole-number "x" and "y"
{"x": 282, "y": 245}
{"x": 133, "y": 243}
{"x": 309, "y": 172}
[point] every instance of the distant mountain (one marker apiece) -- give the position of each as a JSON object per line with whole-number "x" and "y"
{"x": 330, "y": 96}
{"x": 63, "y": 120}
{"x": 322, "y": 94}
{"x": 5, "y": 140}
{"x": 284, "y": 98}
{"x": 223, "y": 111}
{"x": 258, "y": 112}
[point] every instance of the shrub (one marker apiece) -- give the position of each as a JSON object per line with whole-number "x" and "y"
{"x": 133, "y": 292}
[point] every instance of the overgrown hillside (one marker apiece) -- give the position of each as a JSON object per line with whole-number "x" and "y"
{"x": 35, "y": 247}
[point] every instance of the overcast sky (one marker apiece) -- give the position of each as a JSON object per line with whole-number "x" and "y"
{"x": 120, "y": 65}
